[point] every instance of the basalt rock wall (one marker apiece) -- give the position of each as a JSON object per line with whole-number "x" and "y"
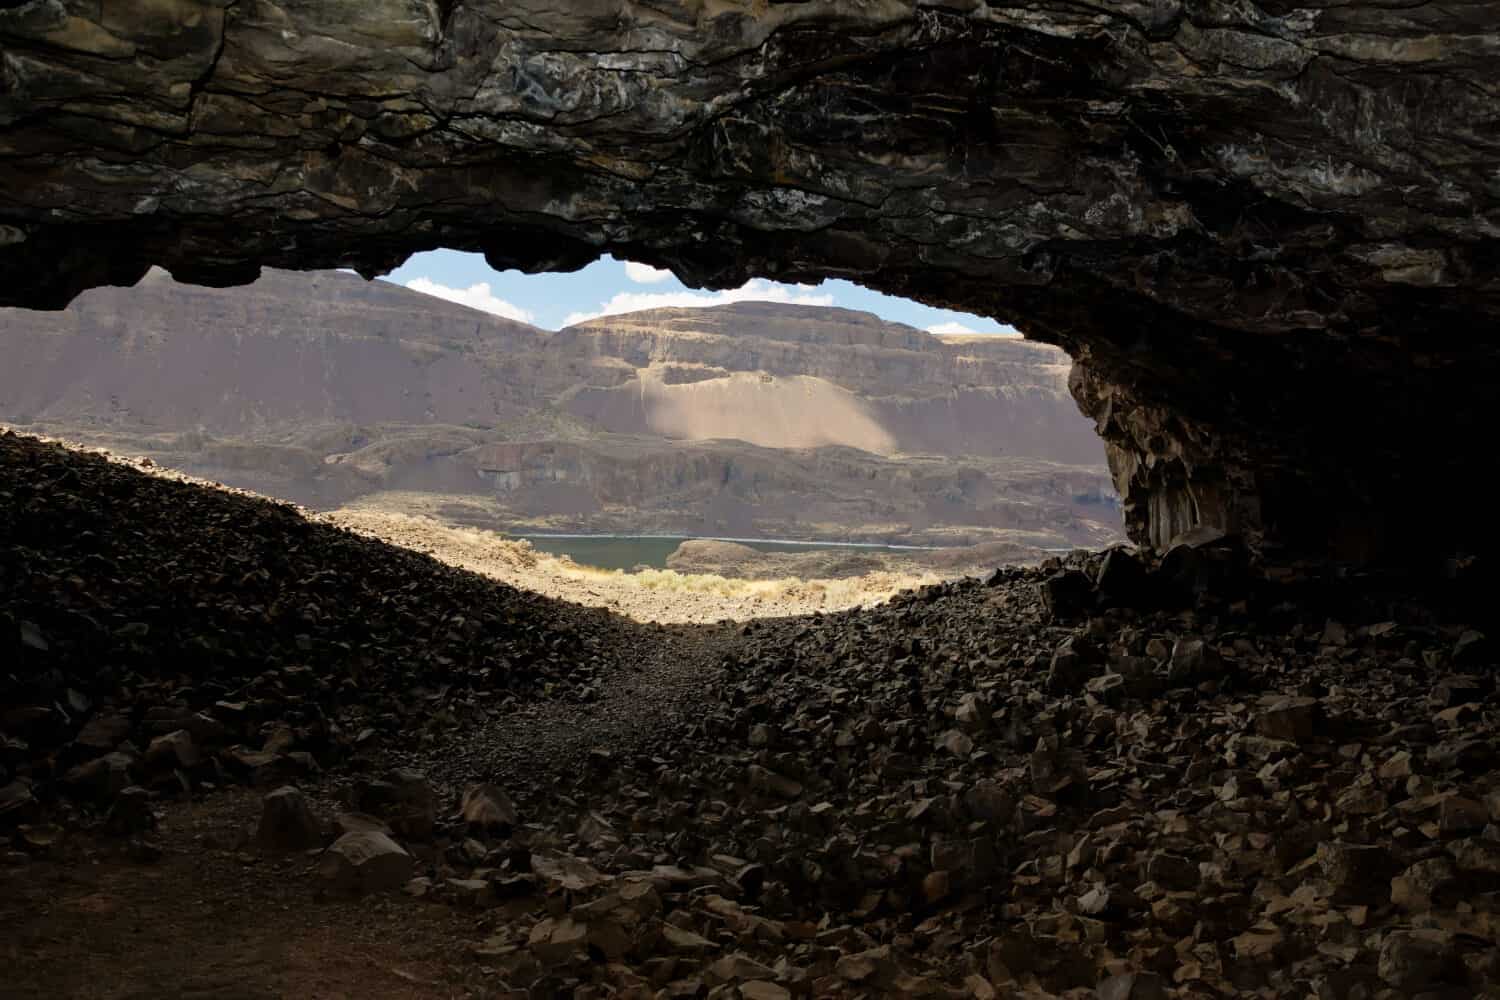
{"x": 1268, "y": 232}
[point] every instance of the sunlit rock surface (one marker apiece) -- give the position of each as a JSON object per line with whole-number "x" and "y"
{"x": 1267, "y": 231}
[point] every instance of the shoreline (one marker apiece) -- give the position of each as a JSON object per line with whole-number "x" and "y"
{"x": 728, "y": 538}
{"x": 528, "y": 535}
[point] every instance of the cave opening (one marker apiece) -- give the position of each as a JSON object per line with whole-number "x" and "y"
{"x": 593, "y": 413}
{"x": 1237, "y": 759}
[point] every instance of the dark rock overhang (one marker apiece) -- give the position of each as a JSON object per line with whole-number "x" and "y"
{"x": 1268, "y": 232}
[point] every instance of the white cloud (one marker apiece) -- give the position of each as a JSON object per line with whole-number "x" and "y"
{"x": 476, "y": 296}
{"x": 645, "y": 274}
{"x": 952, "y": 327}
{"x": 755, "y": 290}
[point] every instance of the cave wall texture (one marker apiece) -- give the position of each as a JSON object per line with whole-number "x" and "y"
{"x": 1268, "y": 232}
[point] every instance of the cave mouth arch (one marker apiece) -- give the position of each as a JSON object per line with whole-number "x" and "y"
{"x": 611, "y": 401}
{"x": 1267, "y": 235}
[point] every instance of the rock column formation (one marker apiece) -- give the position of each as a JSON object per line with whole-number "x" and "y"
{"x": 1268, "y": 232}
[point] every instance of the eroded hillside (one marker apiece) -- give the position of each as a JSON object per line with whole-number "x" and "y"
{"x": 752, "y": 419}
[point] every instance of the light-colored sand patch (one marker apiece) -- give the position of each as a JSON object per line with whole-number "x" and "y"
{"x": 788, "y": 411}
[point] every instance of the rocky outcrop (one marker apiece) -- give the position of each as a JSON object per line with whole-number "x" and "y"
{"x": 1267, "y": 231}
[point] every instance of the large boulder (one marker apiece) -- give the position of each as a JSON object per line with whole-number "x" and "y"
{"x": 365, "y": 861}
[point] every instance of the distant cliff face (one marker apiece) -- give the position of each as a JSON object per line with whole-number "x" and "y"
{"x": 835, "y": 377}
{"x": 753, "y": 418}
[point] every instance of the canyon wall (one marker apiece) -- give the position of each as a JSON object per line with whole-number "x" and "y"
{"x": 755, "y": 419}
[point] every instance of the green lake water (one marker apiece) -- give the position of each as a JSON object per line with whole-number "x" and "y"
{"x": 628, "y": 551}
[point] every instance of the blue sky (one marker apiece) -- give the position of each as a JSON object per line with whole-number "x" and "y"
{"x": 610, "y": 286}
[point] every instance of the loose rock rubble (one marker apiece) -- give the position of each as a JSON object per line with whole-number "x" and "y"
{"x": 1015, "y": 788}
{"x": 157, "y": 633}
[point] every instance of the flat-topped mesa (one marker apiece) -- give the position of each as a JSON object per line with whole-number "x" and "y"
{"x": 1268, "y": 232}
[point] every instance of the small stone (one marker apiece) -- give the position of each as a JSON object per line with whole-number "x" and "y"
{"x": 679, "y": 939}
{"x": 1458, "y": 689}
{"x": 1122, "y": 581}
{"x": 1361, "y": 800}
{"x": 737, "y": 967}
{"x": 104, "y": 777}
{"x": 1260, "y": 943}
{"x": 957, "y": 742}
{"x": 472, "y": 892}
{"x": 39, "y": 837}
{"x": 1107, "y": 688}
{"x": 404, "y": 799}
{"x": 760, "y": 989}
{"x": 972, "y": 712}
{"x": 1472, "y": 649}
{"x": 1172, "y": 871}
{"x": 1476, "y": 856}
{"x": 1418, "y": 960}
{"x": 936, "y": 887}
{"x": 265, "y": 767}
{"x": 765, "y": 780}
{"x": 1396, "y": 769}
{"x": 103, "y": 733}
{"x": 356, "y": 822}
{"x": 1357, "y": 873}
{"x": 32, "y": 637}
{"x": 1055, "y": 767}
{"x": 1334, "y": 634}
{"x": 1292, "y": 719}
{"x": 1073, "y": 662}
{"x": 175, "y": 749}
{"x": 1193, "y": 659}
{"x": 413, "y": 813}
{"x": 487, "y": 807}
{"x": 1419, "y": 885}
{"x": 16, "y": 800}
{"x": 563, "y": 871}
{"x": 558, "y": 941}
{"x": 1461, "y": 815}
{"x": 1132, "y": 986}
{"x": 130, "y": 812}
{"x": 988, "y": 800}
{"x": 287, "y": 822}
{"x": 1067, "y": 594}
{"x": 1108, "y": 902}
{"x": 980, "y": 988}
{"x": 872, "y": 968}
{"x": 366, "y": 861}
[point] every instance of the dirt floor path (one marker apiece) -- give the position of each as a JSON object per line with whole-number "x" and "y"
{"x": 212, "y": 917}
{"x": 653, "y": 691}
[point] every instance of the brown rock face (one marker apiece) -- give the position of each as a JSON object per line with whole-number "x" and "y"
{"x": 1267, "y": 231}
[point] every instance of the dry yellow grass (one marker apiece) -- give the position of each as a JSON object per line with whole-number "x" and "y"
{"x": 661, "y": 595}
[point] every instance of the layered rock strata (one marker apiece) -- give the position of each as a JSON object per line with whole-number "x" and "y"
{"x": 1267, "y": 231}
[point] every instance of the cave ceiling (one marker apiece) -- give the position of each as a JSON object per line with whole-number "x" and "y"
{"x": 1267, "y": 232}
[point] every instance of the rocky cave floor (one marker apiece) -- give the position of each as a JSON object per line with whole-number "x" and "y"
{"x": 248, "y": 756}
